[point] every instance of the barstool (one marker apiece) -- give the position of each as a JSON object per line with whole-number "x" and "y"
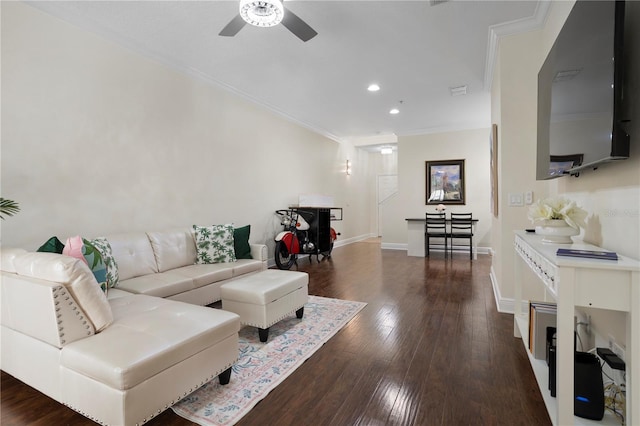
{"x": 435, "y": 227}
{"x": 462, "y": 228}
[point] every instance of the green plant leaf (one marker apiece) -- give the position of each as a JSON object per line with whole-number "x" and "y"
{"x": 8, "y": 207}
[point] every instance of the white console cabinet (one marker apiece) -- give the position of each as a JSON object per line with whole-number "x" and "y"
{"x": 578, "y": 282}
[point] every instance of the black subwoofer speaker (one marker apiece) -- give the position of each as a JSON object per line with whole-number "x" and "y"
{"x": 588, "y": 387}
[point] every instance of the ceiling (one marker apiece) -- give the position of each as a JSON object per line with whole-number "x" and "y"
{"x": 415, "y": 50}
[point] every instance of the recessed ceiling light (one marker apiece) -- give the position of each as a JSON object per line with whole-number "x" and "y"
{"x": 373, "y": 87}
{"x": 394, "y": 111}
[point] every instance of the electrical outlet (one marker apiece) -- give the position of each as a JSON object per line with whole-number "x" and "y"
{"x": 528, "y": 197}
{"x": 616, "y": 348}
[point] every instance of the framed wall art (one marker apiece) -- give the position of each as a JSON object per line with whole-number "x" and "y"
{"x": 493, "y": 147}
{"x": 445, "y": 182}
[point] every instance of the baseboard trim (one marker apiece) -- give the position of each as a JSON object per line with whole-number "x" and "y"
{"x": 484, "y": 250}
{"x": 343, "y": 242}
{"x": 338, "y": 243}
{"x": 394, "y": 246}
{"x": 401, "y": 246}
{"x": 503, "y": 304}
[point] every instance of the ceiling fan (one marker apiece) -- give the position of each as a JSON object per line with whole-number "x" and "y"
{"x": 267, "y": 13}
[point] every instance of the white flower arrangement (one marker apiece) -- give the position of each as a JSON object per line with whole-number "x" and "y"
{"x": 440, "y": 208}
{"x": 558, "y": 208}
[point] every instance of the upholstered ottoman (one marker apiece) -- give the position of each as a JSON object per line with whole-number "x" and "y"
{"x": 265, "y": 298}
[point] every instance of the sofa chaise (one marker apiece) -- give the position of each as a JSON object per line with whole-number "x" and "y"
{"x": 121, "y": 357}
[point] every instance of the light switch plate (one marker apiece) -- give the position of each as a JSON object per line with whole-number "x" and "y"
{"x": 515, "y": 199}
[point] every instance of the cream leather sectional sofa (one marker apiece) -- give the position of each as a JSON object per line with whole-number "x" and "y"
{"x": 123, "y": 357}
{"x": 162, "y": 264}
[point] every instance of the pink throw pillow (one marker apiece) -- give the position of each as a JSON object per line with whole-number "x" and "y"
{"x": 73, "y": 248}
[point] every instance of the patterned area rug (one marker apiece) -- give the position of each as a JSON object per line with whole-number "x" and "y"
{"x": 262, "y": 366}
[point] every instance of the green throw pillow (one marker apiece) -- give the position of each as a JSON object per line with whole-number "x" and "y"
{"x": 241, "y": 242}
{"x": 53, "y": 245}
{"x": 103, "y": 246}
{"x": 214, "y": 244}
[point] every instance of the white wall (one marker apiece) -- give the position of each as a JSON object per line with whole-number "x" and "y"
{"x": 514, "y": 109}
{"x": 516, "y": 94}
{"x": 496, "y": 222}
{"x": 610, "y": 194}
{"x": 413, "y": 152}
{"x": 97, "y": 139}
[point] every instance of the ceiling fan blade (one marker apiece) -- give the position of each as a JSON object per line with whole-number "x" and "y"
{"x": 297, "y": 26}
{"x": 233, "y": 27}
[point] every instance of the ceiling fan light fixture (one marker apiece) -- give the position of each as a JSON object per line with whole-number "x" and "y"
{"x": 262, "y": 13}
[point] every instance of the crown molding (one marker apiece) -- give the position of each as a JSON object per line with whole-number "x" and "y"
{"x": 209, "y": 80}
{"x": 114, "y": 37}
{"x": 385, "y": 139}
{"x": 533, "y": 23}
{"x": 471, "y": 125}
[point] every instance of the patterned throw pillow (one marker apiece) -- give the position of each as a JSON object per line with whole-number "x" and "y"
{"x": 241, "y": 242}
{"x": 214, "y": 244}
{"x": 82, "y": 249}
{"x": 52, "y": 245}
{"x": 103, "y": 246}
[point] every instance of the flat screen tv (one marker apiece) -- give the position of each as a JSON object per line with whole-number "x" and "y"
{"x": 580, "y": 93}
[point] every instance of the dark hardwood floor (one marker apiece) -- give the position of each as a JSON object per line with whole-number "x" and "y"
{"x": 428, "y": 349}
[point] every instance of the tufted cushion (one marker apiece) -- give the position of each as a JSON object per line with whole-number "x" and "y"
{"x": 75, "y": 275}
{"x": 133, "y": 253}
{"x": 173, "y": 248}
{"x": 214, "y": 244}
{"x": 157, "y": 334}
